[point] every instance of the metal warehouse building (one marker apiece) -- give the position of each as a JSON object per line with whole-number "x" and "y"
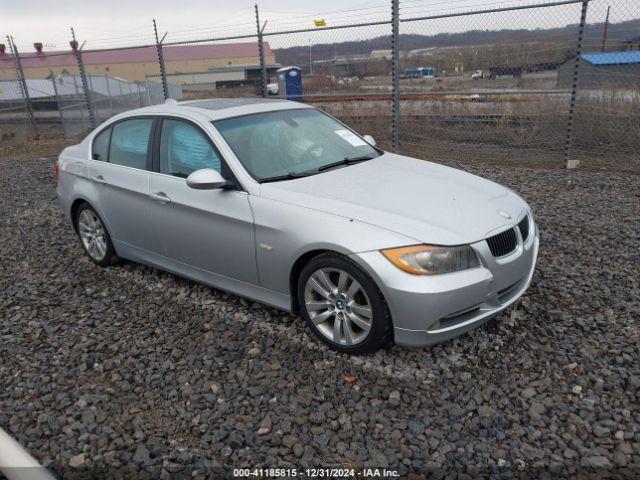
{"x": 232, "y": 62}
{"x": 604, "y": 70}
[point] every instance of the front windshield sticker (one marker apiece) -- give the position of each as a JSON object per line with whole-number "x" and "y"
{"x": 350, "y": 137}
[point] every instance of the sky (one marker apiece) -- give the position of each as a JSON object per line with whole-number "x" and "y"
{"x": 113, "y": 23}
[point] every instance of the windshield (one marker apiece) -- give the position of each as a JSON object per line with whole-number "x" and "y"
{"x": 290, "y": 142}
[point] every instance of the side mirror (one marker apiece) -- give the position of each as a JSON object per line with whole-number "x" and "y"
{"x": 206, "y": 179}
{"x": 370, "y": 140}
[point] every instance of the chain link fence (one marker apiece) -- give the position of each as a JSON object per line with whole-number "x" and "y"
{"x": 547, "y": 81}
{"x": 219, "y": 68}
{"x": 353, "y": 87}
{"x": 607, "y": 122}
{"x": 16, "y": 115}
{"x": 486, "y": 84}
{"x": 14, "y": 119}
{"x": 108, "y": 82}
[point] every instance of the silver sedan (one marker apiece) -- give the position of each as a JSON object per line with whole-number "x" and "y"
{"x": 281, "y": 203}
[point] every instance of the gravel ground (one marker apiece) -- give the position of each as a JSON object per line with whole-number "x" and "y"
{"x": 129, "y": 371}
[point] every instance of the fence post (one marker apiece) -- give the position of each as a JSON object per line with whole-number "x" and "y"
{"x": 147, "y": 85}
{"x": 106, "y": 82}
{"x": 95, "y": 103}
{"x": 58, "y": 100}
{"x": 24, "y": 89}
{"x": 140, "y": 97}
{"x": 606, "y": 29}
{"x": 83, "y": 78}
{"x": 568, "y": 143}
{"x": 395, "y": 78}
{"x": 163, "y": 72}
{"x": 263, "y": 67}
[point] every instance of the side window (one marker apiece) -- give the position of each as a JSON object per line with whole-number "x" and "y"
{"x": 184, "y": 148}
{"x": 129, "y": 142}
{"x": 100, "y": 148}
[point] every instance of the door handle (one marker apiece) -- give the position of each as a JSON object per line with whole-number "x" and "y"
{"x": 160, "y": 197}
{"x": 99, "y": 179}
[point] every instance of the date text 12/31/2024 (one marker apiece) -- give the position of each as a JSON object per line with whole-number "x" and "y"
{"x": 315, "y": 473}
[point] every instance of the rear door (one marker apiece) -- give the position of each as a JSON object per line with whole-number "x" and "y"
{"x": 121, "y": 157}
{"x": 210, "y": 230}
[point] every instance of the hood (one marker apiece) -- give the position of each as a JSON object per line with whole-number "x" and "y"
{"x": 428, "y": 202}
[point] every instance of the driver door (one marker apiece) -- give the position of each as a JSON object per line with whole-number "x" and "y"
{"x": 209, "y": 232}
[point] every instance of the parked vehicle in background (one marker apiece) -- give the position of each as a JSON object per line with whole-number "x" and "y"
{"x": 418, "y": 72}
{"x": 478, "y": 75}
{"x": 279, "y": 202}
{"x": 427, "y": 72}
{"x": 272, "y": 88}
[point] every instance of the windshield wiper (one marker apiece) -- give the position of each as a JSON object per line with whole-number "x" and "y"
{"x": 307, "y": 173}
{"x": 347, "y": 161}
{"x": 288, "y": 176}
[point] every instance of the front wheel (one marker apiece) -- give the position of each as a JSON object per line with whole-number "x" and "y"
{"x": 343, "y": 306}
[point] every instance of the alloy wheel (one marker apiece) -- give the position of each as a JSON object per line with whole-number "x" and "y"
{"x": 92, "y": 234}
{"x": 338, "y": 306}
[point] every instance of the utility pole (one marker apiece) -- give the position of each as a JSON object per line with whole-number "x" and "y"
{"x": 606, "y": 29}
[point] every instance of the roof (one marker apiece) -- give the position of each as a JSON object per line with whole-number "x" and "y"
{"x": 219, "y": 108}
{"x": 612, "y": 58}
{"x": 635, "y": 38}
{"x": 220, "y": 103}
{"x": 138, "y": 54}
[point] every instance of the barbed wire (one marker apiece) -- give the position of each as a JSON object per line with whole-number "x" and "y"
{"x": 346, "y": 16}
{"x": 473, "y": 7}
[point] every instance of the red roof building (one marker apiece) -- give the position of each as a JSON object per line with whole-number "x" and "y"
{"x": 137, "y": 63}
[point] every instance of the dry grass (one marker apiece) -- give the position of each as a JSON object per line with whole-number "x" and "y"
{"x": 35, "y": 146}
{"x": 608, "y": 122}
{"x": 514, "y": 129}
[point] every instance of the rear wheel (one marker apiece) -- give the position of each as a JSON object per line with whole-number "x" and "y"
{"x": 342, "y": 305}
{"x": 94, "y": 237}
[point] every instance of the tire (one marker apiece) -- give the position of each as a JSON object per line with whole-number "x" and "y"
{"x": 342, "y": 305}
{"x": 94, "y": 237}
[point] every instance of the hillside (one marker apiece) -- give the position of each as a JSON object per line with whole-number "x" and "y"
{"x": 562, "y": 38}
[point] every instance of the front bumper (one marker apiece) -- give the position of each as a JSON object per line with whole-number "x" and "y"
{"x": 431, "y": 309}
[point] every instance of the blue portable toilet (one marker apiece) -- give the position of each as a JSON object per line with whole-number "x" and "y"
{"x": 290, "y": 83}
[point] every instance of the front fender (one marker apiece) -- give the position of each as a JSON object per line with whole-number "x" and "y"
{"x": 285, "y": 232}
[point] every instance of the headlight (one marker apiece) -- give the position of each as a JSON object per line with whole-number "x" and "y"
{"x": 432, "y": 259}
